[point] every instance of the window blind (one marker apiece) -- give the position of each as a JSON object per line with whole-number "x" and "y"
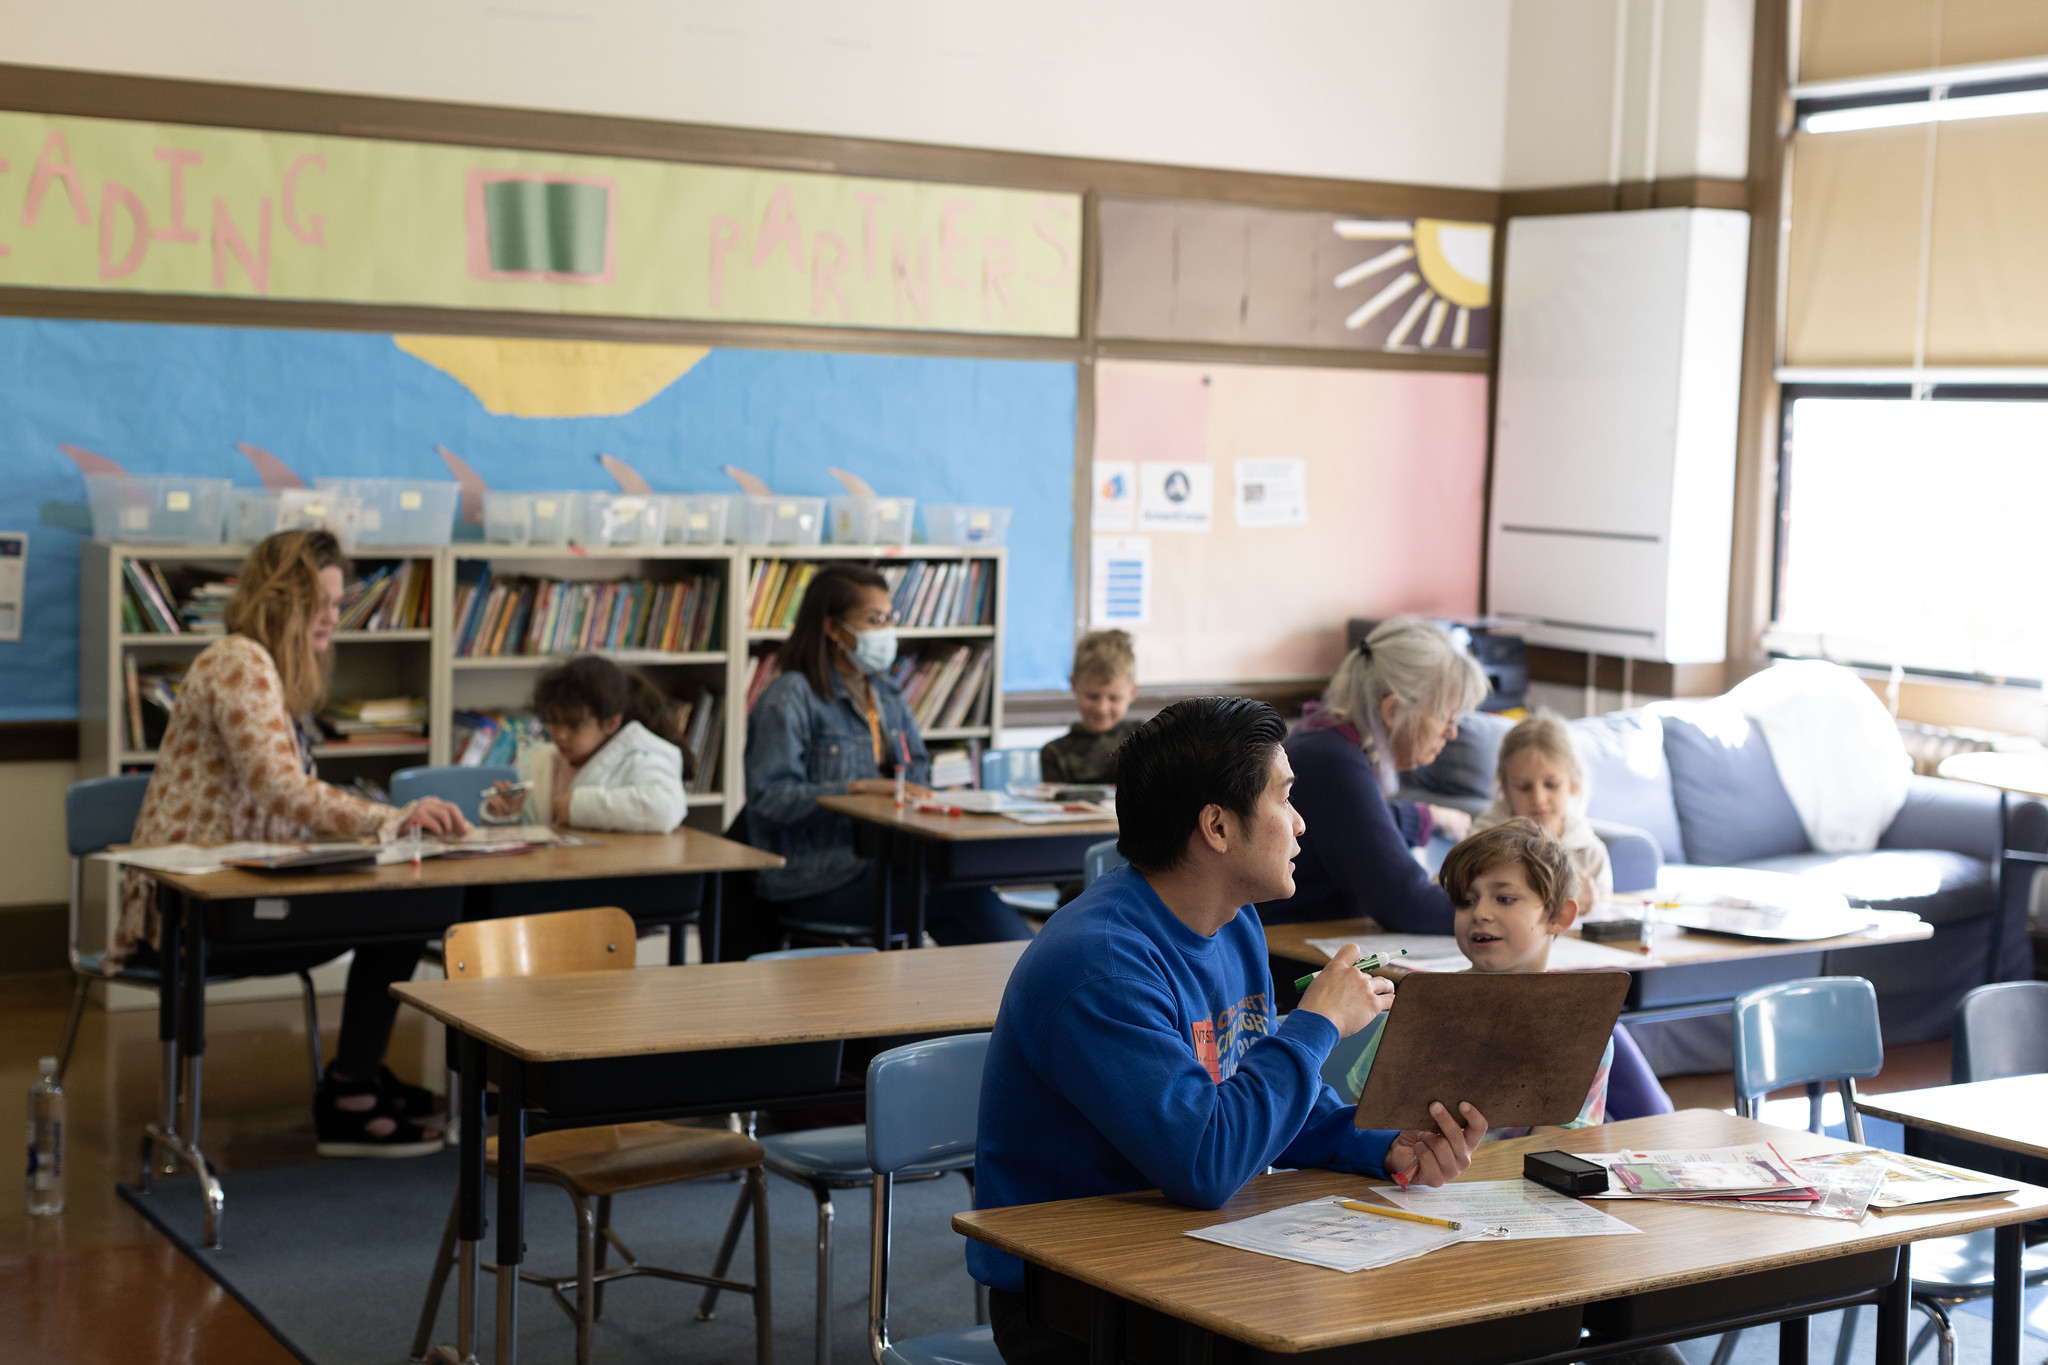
{"x": 1842, "y": 39}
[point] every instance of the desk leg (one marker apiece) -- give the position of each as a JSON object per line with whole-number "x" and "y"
{"x": 711, "y": 925}
{"x": 1792, "y": 1341}
{"x": 1894, "y": 1306}
{"x": 925, "y": 848}
{"x": 511, "y": 1191}
{"x": 1999, "y": 874}
{"x": 168, "y": 1012}
{"x": 1106, "y": 1329}
{"x": 469, "y": 1199}
{"x": 885, "y": 885}
{"x": 2005, "y": 1295}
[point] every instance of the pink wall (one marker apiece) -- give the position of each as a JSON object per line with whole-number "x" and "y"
{"x": 1395, "y": 469}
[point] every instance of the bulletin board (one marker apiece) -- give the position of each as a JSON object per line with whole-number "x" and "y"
{"x": 1243, "y": 512}
{"x": 523, "y": 415}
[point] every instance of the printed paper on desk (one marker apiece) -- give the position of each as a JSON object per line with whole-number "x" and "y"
{"x": 1272, "y": 492}
{"x": 1323, "y": 1232}
{"x": 1439, "y": 952}
{"x": 1120, "y": 581}
{"x": 1175, "y": 495}
{"x": 1116, "y": 496}
{"x": 1526, "y": 1209}
{"x": 192, "y": 860}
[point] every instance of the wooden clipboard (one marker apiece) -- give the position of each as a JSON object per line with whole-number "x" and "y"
{"x": 1522, "y": 1049}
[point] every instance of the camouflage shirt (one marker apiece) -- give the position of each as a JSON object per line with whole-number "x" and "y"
{"x": 1079, "y": 756}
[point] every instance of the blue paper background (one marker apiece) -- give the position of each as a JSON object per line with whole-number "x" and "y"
{"x": 176, "y": 400}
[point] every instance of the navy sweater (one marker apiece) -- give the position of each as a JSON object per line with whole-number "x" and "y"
{"x": 1355, "y": 861}
{"x": 1132, "y": 1053}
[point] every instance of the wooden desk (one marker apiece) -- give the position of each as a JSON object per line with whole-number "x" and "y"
{"x": 1684, "y": 973}
{"x": 939, "y": 851}
{"x": 2013, "y": 775}
{"x": 592, "y": 1048}
{"x": 254, "y": 910}
{"x": 2011, "y": 1112}
{"x": 1120, "y": 1271}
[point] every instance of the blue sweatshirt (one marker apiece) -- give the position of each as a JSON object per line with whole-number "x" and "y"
{"x": 1132, "y": 1053}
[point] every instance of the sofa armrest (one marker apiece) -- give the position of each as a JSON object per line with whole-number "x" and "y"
{"x": 1960, "y": 817}
{"x": 1633, "y": 854}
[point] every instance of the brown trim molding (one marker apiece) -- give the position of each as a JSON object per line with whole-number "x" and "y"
{"x": 49, "y": 90}
{"x": 38, "y": 741}
{"x": 1022, "y": 709}
{"x": 1685, "y": 192}
{"x": 33, "y": 938}
{"x": 1221, "y": 353}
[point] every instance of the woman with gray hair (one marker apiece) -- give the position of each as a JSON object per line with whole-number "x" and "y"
{"x": 1392, "y": 706}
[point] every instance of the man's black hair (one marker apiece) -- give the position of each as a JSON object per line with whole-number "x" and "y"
{"x": 1205, "y": 751}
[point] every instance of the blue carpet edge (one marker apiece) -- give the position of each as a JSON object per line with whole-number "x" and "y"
{"x": 143, "y": 1203}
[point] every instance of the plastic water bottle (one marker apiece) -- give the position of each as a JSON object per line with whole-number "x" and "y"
{"x": 46, "y": 1142}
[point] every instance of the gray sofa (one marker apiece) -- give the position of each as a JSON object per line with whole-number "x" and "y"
{"x": 1692, "y": 782}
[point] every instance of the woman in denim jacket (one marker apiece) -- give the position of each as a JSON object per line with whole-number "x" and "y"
{"x": 834, "y": 724}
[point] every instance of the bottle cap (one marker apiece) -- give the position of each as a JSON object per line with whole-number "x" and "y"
{"x": 47, "y": 1065}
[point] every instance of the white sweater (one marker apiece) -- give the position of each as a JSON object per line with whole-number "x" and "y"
{"x": 633, "y": 784}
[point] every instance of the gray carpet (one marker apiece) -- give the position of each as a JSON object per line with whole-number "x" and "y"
{"x": 335, "y": 1257}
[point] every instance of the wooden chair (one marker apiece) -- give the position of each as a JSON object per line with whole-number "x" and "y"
{"x": 594, "y": 1164}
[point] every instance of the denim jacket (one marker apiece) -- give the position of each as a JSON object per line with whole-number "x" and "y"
{"x": 800, "y": 748}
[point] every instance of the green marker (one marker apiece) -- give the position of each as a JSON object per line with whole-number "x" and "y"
{"x": 1365, "y": 964}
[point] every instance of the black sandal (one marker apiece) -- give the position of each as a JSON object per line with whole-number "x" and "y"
{"x": 400, "y": 1100}
{"x": 346, "y": 1132}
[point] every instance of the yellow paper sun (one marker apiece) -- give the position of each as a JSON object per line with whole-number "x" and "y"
{"x": 1453, "y": 265}
{"x": 514, "y": 377}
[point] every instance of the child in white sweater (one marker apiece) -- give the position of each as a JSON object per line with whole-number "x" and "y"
{"x": 611, "y": 761}
{"x": 1540, "y": 778}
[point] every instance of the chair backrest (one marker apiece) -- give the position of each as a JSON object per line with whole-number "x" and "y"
{"x": 827, "y": 950}
{"x": 2001, "y": 1030}
{"x": 101, "y": 811}
{"x": 1001, "y": 767}
{"x": 1807, "y": 1032}
{"x": 1099, "y": 859}
{"x": 596, "y": 940}
{"x": 464, "y": 786}
{"x": 924, "y": 1101}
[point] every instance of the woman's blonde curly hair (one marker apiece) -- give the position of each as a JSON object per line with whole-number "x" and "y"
{"x": 277, "y": 598}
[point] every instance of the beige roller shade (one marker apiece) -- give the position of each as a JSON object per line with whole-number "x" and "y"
{"x": 1987, "y": 297}
{"x": 1843, "y": 38}
{"x": 1853, "y": 268}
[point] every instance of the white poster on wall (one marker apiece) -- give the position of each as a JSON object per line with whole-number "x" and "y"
{"x": 1175, "y": 495}
{"x": 1272, "y": 492}
{"x": 1116, "y": 495}
{"x": 1120, "y": 581}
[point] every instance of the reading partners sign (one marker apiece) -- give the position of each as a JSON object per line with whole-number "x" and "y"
{"x": 172, "y": 209}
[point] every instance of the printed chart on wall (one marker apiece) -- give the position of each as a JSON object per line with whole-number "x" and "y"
{"x": 522, "y": 415}
{"x": 1242, "y": 513}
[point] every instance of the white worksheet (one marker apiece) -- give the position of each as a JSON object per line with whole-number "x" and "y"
{"x": 1527, "y": 1210}
{"x": 1439, "y": 952}
{"x": 1323, "y": 1232}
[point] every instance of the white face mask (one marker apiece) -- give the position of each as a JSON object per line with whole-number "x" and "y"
{"x": 873, "y": 650}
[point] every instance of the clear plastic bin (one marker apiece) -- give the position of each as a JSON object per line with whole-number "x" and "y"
{"x": 157, "y": 507}
{"x": 528, "y": 518}
{"x": 962, "y": 524}
{"x": 785, "y": 521}
{"x": 401, "y": 511}
{"x": 254, "y": 513}
{"x": 555, "y": 518}
{"x": 636, "y": 519}
{"x": 859, "y": 520}
{"x": 698, "y": 518}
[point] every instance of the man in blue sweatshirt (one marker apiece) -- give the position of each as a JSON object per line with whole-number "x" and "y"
{"x": 1136, "y": 1046}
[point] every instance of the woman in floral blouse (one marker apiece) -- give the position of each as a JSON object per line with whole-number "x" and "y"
{"x": 237, "y": 763}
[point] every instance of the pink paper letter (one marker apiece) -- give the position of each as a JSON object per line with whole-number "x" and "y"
{"x": 779, "y": 228}
{"x": 1045, "y": 235}
{"x": 825, "y": 274}
{"x": 949, "y": 242}
{"x": 313, "y": 232}
{"x": 725, "y": 235}
{"x": 917, "y": 289}
{"x": 138, "y": 229}
{"x": 870, "y": 202}
{"x": 179, "y": 158}
{"x": 227, "y": 241}
{"x": 54, "y": 160}
{"x": 998, "y": 263}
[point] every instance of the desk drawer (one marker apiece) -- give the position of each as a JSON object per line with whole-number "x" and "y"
{"x": 652, "y": 900}
{"x": 1707, "y": 1302}
{"x": 343, "y": 918}
{"x": 737, "y": 1077}
{"x": 1688, "y": 985}
{"x": 1051, "y": 858}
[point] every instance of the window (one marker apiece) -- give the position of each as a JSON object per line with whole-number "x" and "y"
{"x": 1911, "y": 532}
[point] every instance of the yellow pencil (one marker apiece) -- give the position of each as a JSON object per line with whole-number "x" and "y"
{"x": 1402, "y": 1214}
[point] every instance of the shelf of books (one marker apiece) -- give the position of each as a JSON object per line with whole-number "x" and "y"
{"x": 949, "y": 601}
{"x": 514, "y": 611}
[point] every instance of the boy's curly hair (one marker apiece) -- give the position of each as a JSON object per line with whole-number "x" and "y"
{"x": 1545, "y": 865}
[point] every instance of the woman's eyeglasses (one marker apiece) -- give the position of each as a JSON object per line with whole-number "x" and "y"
{"x": 874, "y": 620}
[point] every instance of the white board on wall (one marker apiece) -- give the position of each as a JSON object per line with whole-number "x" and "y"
{"x": 1393, "y": 463}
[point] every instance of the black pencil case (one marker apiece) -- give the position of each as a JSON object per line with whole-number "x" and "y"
{"x": 1565, "y": 1173}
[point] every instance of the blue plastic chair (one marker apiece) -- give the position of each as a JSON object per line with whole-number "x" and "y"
{"x": 924, "y": 1107}
{"x": 2001, "y": 1030}
{"x": 824, "y": 1160}
{"x": 1099, "y": 859}
{"x": 464, "y": 786}
{"x": 1824, "y": 1029}
{"x": 1001, "y": 767}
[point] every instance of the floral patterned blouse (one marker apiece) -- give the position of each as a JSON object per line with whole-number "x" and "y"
{"x": 235, "y": 765}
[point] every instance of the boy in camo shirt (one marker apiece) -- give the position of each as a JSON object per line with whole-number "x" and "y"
{"x": 1105, "y": 681}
